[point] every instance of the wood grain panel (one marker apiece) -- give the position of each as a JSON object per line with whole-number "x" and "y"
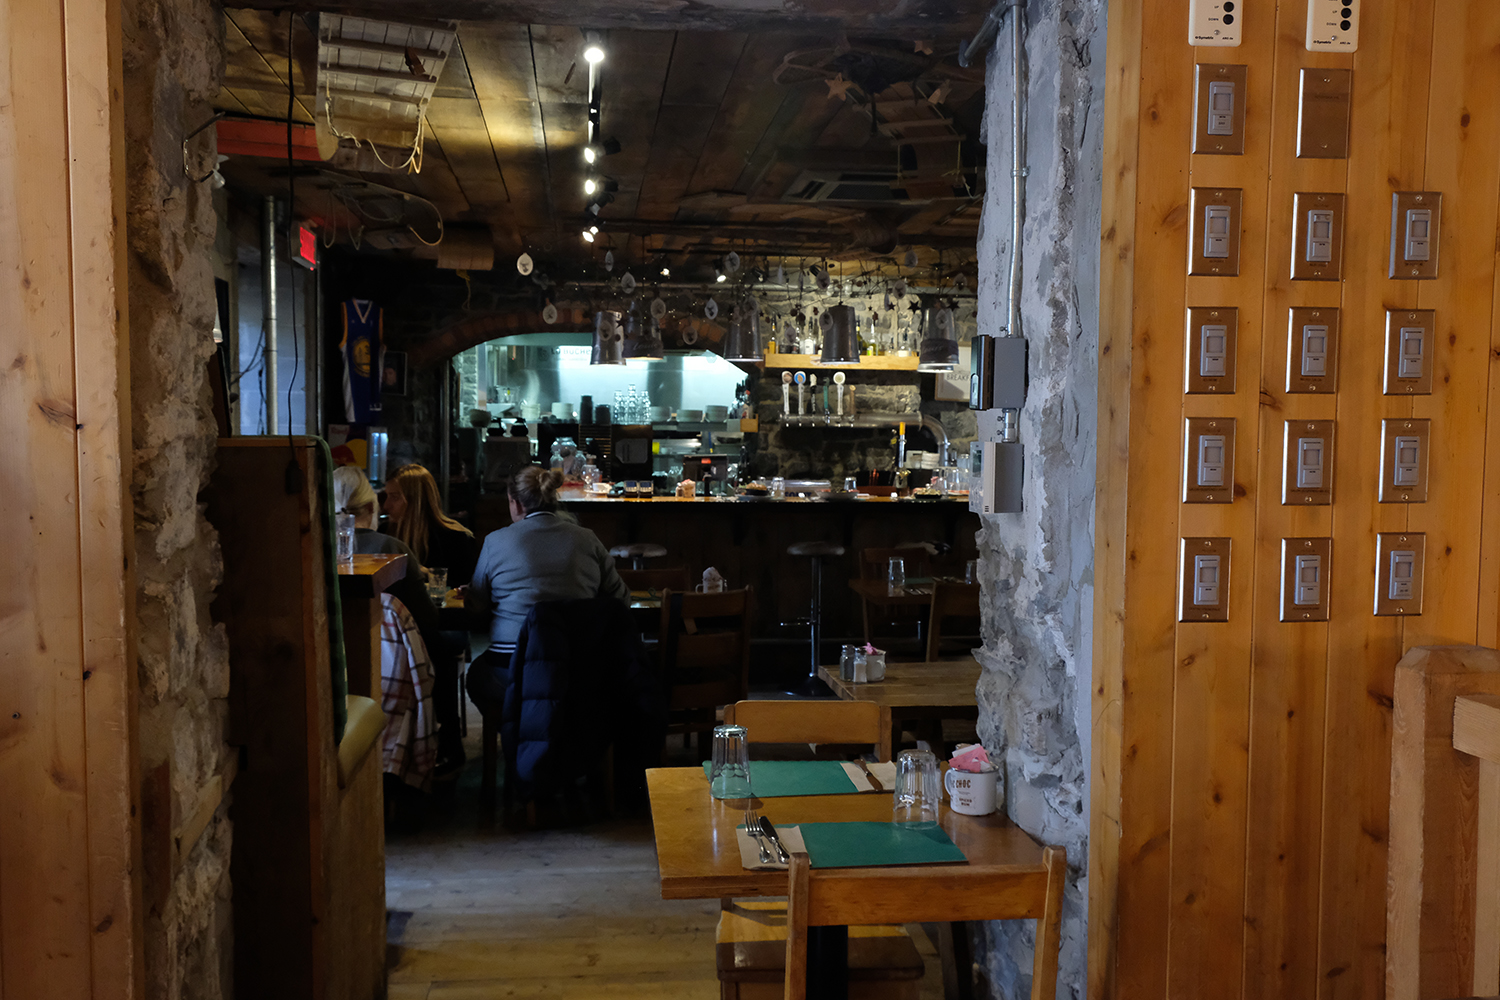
{"x": 1284, "y": 800}
{"x": 1391, "y": 72}
{"x": 634, "y": 76}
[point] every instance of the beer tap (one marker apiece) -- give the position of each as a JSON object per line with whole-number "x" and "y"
{"x": 838, "y": 380}
{"x": 786, "y": 394}
{"x": 801, "y": 379}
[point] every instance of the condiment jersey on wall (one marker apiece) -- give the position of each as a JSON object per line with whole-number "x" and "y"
{"x": 362, "y": 347}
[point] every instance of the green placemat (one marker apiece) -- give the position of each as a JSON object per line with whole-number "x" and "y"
{"x": 865, "y": 845}
{"x": 773, "y": 779}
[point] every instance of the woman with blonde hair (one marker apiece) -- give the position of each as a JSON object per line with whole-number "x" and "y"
{"x": 414, "y": 510}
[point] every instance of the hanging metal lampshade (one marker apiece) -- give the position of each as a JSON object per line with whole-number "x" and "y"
{"x": 609, "y": 339}
{"x": 939, "y": 351}
{"x": 742, "y": 343}
{"x": 840, "y": 335}
{"x": 648, "y": 347}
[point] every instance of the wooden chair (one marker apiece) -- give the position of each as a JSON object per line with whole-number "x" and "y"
{"x": 838, "y": 895}
{"x": 949, "y": 600}
{"x": 874, "y": 564}
{"x": 705, "y": 655}
{"x": 820, "y": 721}
{"x": 674, "y": 578}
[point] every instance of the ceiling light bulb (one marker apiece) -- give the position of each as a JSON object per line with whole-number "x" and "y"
{"x": 588, "y": 236}
{"x": 593, "y": 229}
{"x": 594, "y": 54}
{"x": 588, "y": 154}
{"x": 589, "y": 186}
{"x": 722, "y": 278}
{"x": 666, "y": 272}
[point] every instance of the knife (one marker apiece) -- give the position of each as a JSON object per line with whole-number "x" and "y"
{"x": 866, "y": 768}
{"x": 770, "y": 832}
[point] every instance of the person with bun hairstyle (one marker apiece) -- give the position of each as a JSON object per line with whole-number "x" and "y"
{"x": 540, "y": 556}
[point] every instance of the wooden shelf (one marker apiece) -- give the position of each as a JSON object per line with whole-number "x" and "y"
{"x": 877, "y": 362}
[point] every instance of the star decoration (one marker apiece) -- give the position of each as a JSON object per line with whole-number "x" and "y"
{"x": 940, "y": 95}
{"x": 839, "y": 87}
{"x": 923, "y": 46}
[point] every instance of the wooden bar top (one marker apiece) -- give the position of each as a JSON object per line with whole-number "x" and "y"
{"x": 369, "y": 576}
{"x": 572, "y": 497}
{"x": 699, "y": 856}
{"x": 938, "y": 684}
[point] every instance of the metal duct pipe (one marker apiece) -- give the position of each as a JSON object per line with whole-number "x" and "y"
{"x": 268, "y": 309}
{"x": 1017, "y": 163}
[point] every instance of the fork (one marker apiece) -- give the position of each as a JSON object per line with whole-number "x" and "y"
{"x": 752, "y": 826}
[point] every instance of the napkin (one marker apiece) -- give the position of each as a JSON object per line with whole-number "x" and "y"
{"x": 883, "y": 773}
{"x": 791, "y": 839}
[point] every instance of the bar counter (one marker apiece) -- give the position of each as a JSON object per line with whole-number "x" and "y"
{"x": 747, "y": 541}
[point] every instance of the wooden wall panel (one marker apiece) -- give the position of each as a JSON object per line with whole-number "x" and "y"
{"x": 1241, "y": 775}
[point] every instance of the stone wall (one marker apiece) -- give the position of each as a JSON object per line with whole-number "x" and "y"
{"x": 173, "y": 59}
{"x": 1037, "y": 566}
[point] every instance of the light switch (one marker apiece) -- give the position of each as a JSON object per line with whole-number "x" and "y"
{"x": 1211, "y": 334}
{"x": 1208, "y": 475}
{"x": 1305, "y": 565}
{"x": 1317, "y": 246}
{"x": 1215, "y": 240}
{"x": 1203, "y": 585}
{"x": 1307, "y": 475}
{"x": 1216, "y": 220}
{"x": 1312, "y": 349}
{"x": 1415, "y": 225}
{"x": 1399, "y": 558}
{"x": 1220, "y": 109}
{"x": 1403, "y": 460}
{"x": 1333, "y": 25}
{"x": 1409, "y": 343}
{"x": 1214, "y": 22}
{"x": 1324, "y": 97}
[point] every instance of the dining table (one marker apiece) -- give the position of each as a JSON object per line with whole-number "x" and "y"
{"x": 361, "y": 582}
{"x": 919, "y": 695}
{"x": 698, "y": 857}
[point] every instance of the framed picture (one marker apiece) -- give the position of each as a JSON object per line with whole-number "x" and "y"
{"x": 393, "y": 382}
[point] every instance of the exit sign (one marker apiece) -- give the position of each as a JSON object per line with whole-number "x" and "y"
{"x": 306, "y": 251}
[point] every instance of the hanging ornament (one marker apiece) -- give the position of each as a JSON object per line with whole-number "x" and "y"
{"x": 658, "y": 308}
{"x": 711, "y": 310}
{"x": 780, "y": 275}
{"x": 609, "y": 260}
{"x": 911, "y": 258}
{"x": 525, "y": 264}
{"x": 939, "y": 95}
{"x": 960, "y": 283}
{"x": 839, "y": 87}
{"x": 627, "y": 283}
{"x": 752, "y": 305}
{"x": 549, "y": 314}
{"x": 731, "y": 262}
{"x": 690, "y": 334}
{"x": 901, "y": 287}
{"x": 889, "y": 305}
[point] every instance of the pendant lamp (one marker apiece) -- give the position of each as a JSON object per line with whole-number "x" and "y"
{"x": 939, "y": 351}
{"x": 742, "y": 343}
{"x": 609, "y": 339}
{"x": 840, "y": 335}
{"x": 649, "y": 346}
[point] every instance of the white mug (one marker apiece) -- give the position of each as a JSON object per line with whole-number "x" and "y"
{"x": 711, "y": 587}
{"x": 973, "y": 793}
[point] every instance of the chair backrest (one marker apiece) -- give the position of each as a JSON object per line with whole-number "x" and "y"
{"x": 926, "y": 895}
{"x": 873, "y": 563}
{"x": 949, "y": 600}
{"x": 819, "y": 721}
{"x": 673, "y": 578}
{"x": 707, "y": 637}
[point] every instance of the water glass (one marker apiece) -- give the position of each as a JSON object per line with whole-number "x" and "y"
{"x": 729, "y": 776}
{"x": 778, "y": 488}
{"x": 437, "y": 584}
{"x": 851, "y": 484}
{"x": 896, "y": 577}
{"x": 915, "y": 801}
{"x": 971, "y": 571}
{"x": 346, "y": 538}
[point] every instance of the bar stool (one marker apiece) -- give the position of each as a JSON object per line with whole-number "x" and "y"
{"x": 638, "y": 553}
{"x": 816, "y": 552}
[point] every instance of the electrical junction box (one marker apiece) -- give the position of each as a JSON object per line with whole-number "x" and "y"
{"x": 997, "y": 376}
{"x": 996, "y": 476}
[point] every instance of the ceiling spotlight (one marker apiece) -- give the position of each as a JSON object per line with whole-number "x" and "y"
{"x": 589, "y": 156}
{"x": 722, "y": 278}
{"x": 666, "y": 272}
{"x": 594, "y": 52}
{"x": 593, "y": 229}
{"x": 588, "y": 237}
{"x": 590, "y": 186}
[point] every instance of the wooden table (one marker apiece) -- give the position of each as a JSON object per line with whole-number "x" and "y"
{"x": 921, "y": 693}
{"x": 698, "y": 855}
{"x": 878, "y": 593}
{"x": 360, "y": 585}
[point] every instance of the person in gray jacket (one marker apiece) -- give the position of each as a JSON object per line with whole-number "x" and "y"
{"x": 540, "y": 556}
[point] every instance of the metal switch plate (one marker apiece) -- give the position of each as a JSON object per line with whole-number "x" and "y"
{"x": 1399, "y": 563}
{"x": 1312, "y": 353}
{"x": 1305, "y": 565}
{"x": 1212, "y": 334}
{"x": 1208, "y": 461}
{"x": 1415, "y": 228}
{"x": 1318, "y": 236}
{"x": 1203, "y": 580}
{"x": 1323, "y": 113}
{"x": 1214, "y": 22}
{"x": 1220, "y": 110}
{"x": 1307, "y": 474}
{"x": 1215, "y": 240}
{"x": 1410, "y": 338}
{"x": 1403, "y": 460}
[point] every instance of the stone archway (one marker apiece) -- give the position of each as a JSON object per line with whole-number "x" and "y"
{"x": 457, "y": 337}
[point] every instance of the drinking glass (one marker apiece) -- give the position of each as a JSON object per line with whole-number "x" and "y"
{"x": 851, "y": 484}
{"x": 971, "y": 571}
{"x": 778, "y": 488}
{"x": 729, "y": 776}
{"x": 896, "y": 576}
{"x": 437, "y": 584}
{"x": 915, "y": 801}
{"x": 346, "y": 538}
